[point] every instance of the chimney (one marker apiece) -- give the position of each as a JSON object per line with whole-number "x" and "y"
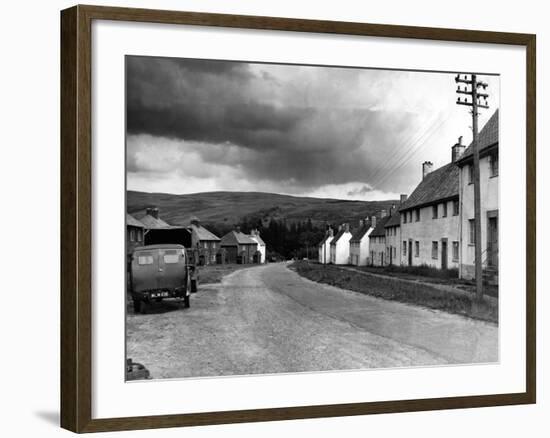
{"x": 402, "y": 198}
{"x": 155, "y": 212}
{"x": 195, "y": 221}
{"x": 361, "y": 223}
{"x": 383, "y": 213}
{"x": 346, "y": 228}
{"x": 427, "y": 167}
{"x": 330, "y": 232}
{"x": 373, "y": 222}
{"x": 237, "y": 228}
{"x": 457, "y": 150}
{"x": 148, "y": 211}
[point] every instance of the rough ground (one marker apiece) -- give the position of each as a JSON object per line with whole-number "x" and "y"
{"x": 268, "y": 319}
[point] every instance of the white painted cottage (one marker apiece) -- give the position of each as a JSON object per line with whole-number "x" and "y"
{"x": 359, "y": 243}
{"x": 339, "y": 246}
{"x": 324, "y": 247}
{"x": 255, "y": 236}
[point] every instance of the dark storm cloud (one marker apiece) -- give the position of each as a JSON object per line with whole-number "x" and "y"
{"x": 227, "y": 103}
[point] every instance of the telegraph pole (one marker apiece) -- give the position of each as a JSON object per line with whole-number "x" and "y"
{"x": 475, "y": 95}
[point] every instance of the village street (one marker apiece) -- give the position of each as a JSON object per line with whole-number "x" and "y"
{"x": 268, "y": 319}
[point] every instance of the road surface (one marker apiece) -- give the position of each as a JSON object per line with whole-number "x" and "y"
{"x": 268, "y": 319}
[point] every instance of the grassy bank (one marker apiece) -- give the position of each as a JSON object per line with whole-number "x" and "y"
{"x": 461, "y": 303}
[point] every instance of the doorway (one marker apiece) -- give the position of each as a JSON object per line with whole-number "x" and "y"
{"x": 492, "y": 239}
{"x": 444, "y": 254}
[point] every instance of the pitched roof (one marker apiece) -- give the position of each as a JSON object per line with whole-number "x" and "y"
{"x": 437, "y": 185}
{"x": 151, "y": 222}
{"x": 338, "y": 235}
{"x": 327, "y": 236}
{"x": 133, "y": 222}
{"x": 236, "y": 238}
{"x": 488, "y": 136}
{"x": 379, "y": 229}
{"x": 202, "y": 233}
{"x": 256, "y": 238}
{"x": 394, "y": 220}
{"x": 360, "y": 232}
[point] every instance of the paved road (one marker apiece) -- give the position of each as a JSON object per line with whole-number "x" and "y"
{"x": 268, "y": 319}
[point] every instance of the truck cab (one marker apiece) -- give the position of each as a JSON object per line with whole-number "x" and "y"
{"x": 161, "y": 271}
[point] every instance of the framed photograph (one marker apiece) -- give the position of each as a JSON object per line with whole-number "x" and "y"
{"x": 269, "y": 218}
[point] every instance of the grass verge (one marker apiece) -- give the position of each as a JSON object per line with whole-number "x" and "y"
{"x": 214, "y": 273}
{"x": 461, "y": 302}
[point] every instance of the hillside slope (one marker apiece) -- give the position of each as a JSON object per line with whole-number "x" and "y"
{"x": 230, "y": 207}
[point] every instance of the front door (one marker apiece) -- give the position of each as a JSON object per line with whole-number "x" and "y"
{"x": 443, "y": 253}
{"x": 410, "y": 252}
{"x": 492, "y": 242}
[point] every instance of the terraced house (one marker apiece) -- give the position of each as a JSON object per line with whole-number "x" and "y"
{"x": 430, "y": 221}
{"x": 393, "y": 236}
{"x": 359, "y": 243}
{"x": 377, "y": 240}
{"x": 207, "y": 243}
{"x": 489, "y": 173}
{"x": 339, "y": 246}
{"x": 324, "y": 247}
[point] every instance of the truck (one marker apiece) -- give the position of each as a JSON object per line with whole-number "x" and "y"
{"x": 161, "y": 271}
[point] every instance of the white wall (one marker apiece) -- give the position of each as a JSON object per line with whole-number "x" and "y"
{"x": 489, "y": 189}
{"x": 339, "y": 251}
{"x": 359, "y": 251}
{"x": 29, "y": 179}
{"x": 428, "y": 230}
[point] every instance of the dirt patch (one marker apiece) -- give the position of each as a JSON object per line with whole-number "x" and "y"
{"x": 212, "y": 274}
{"x": 400, "y": 289}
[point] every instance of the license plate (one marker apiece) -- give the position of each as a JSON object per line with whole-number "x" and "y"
{"x": 162, "y": 294}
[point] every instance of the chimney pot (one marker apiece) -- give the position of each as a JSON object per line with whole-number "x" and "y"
{"x": 361, "y": 222}
{"x": 457, "y": 150}
{"x": 383, "y": 213}
{"x": 346, "y": 228}
{"x": 373, "y": 222}
{"x": 402, "y": 198}
{"x": 427, "y": 167}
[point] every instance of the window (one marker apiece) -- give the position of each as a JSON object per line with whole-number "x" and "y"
{"x": 139, "y": 235}
{"x": 205, "y": 244}
{"x": 435, "y": 249}
{"x": 470, "y": 174}
{"x": 434, "y": 211}
{"x": 472, "y": 226}
{"x": 444, "y": 209}
{"x": 405, "y": 217}
{"x": 145, "y": 258}
{"x": 404, "y": 247}
{"x": 417, "y": 249}
{"x": 455, "y": 251}
{"x": 493, "y": 162}
{"x": 171, "y": 256}
{"x": 455, "y": 207}
{"x": 417, "y": 214}
{"x": 132, "y": 235}
{"x": 394, "y": 252}
{"x": 411, "y": 216}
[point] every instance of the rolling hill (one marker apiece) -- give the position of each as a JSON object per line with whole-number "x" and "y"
{"x": 229, "y": 208}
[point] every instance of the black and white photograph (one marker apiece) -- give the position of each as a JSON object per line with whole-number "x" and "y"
{"x": 286, "y": 218}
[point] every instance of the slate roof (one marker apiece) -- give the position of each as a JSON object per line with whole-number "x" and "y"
{"x": 257, "y": 239}
{"x": 438, "y": 185}
{"x": 203, "y": 233}
{"x": 322, "y": 242}
{"x": 394, "y": 221}
{"x": 338, "y": 235}
{"x": 488, "y": 136}
{"x": 379, "y": 229}
{"x": 150, "y": 222}
{"x": 133, "y": 222}
{"x": 360, "y": 232}
{"x": 236, "y": 238}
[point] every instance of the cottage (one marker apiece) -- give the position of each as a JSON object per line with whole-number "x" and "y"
{"x": 239, "y": 248}
{"x": 134, "y": 233}
{"x": 339, "y": 246}
{"x": 488, "y": 167}
{"x": 393, "y": 238}
{"x": 157, "y": 231}
{"x": 377, "y": 240}
{"x": 206, "y": 242}
{"x": 255, "y": 236}
{"x": 430, "y": 225}
{"x": 359, "y": 243}
{"x": 324, "y": 247}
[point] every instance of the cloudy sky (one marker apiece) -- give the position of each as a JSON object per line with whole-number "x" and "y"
{"x": 348, "y": 133}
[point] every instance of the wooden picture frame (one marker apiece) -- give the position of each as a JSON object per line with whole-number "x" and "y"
{"x": 76, "y": 218}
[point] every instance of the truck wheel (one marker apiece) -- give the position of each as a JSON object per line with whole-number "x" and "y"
{"x": 187, "y": 302}
{"x": 193, "y": 286}
{"x": 136, "y": 306}
{"x": 142, "y": 307}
